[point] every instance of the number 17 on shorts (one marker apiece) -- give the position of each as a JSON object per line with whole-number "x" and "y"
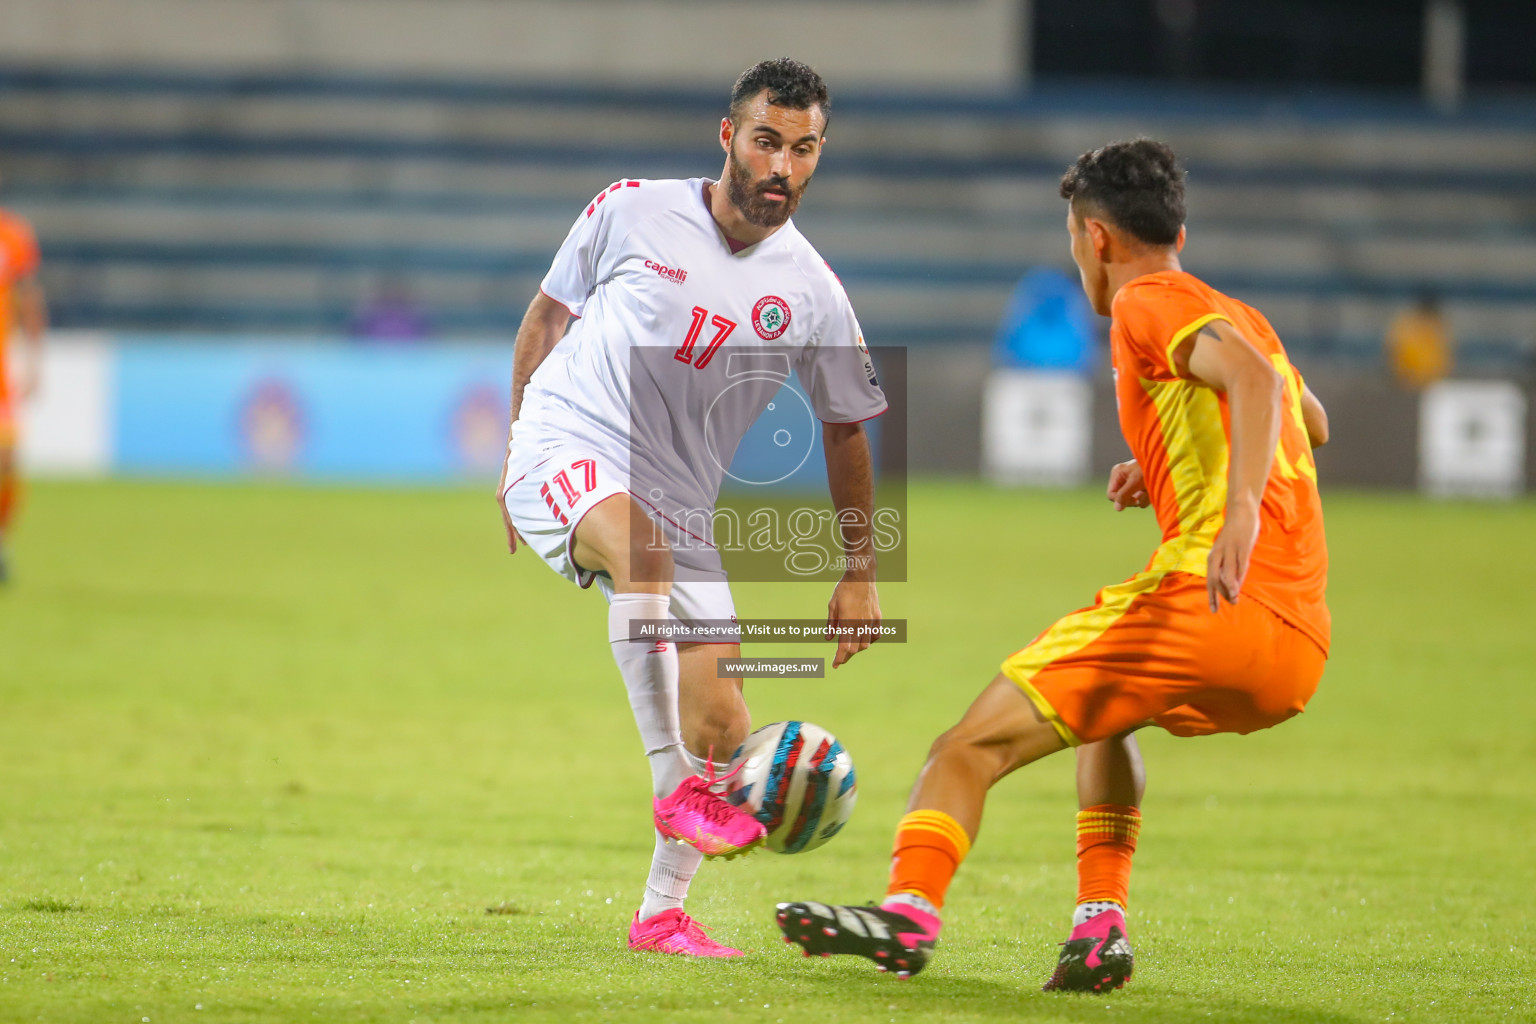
{"x": 548, "y": 499}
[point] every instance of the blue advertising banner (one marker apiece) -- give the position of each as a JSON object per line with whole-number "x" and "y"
{"x": 335, "y": 410}
{"x": 331, "y": 410}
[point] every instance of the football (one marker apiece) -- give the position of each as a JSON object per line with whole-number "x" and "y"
{"x": 797, "y": 780}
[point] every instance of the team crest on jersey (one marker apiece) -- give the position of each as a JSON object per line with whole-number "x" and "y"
{"x": 770, "y": 317}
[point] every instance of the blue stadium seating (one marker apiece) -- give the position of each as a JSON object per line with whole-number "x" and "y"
{"x": 276, "y": 202}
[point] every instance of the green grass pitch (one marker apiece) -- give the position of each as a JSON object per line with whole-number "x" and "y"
{"x": 270, "y": 753}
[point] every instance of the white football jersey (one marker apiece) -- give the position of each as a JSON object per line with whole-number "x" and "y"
{"x": 681, "y": 343}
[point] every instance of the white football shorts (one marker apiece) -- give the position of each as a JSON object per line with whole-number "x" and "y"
{"x": 553, "y": 486}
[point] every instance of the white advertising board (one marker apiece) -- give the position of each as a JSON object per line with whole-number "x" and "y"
{"x": 67, "y": 425}
{"x": 1037, "y": 427}
{"x": 1472, "y": 439}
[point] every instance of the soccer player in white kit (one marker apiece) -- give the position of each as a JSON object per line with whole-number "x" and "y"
{"x": 621, "y": 434}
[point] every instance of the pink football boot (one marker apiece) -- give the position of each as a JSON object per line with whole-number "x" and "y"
{"x": 895, "y": 937}
{"x": 696, "y": 815}
{"x": 1095, "y": 958}
{"x": 673, "y": 931}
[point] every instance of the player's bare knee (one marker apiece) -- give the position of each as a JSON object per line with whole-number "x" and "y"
{"x": 942, "y": 746}
{"x": 975, "y": 749}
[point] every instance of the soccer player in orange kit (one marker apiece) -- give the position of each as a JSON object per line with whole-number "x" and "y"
{"x": 23, "y": 315}
{"x": 1226, "y": 630}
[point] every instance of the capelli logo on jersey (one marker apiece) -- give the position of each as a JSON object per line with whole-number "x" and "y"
{"x": 674, "y": 274}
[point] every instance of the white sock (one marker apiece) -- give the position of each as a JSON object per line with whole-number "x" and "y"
{"x": 1086, "y": 912}
{"x": 701, "y": 766}
{"x": 673, "y": 866}
{"x": 912, "y": 899}
{"x": 649, "y": 668}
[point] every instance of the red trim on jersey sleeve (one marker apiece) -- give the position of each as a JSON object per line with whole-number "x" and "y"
{"x": 551, "y": 298}
{"x": 866, "y": 419}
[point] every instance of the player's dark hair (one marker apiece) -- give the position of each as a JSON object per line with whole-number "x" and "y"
{"x": 789, "y": 83}
{"x": 1138, "y": 186}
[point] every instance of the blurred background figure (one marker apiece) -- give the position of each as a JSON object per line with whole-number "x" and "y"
{"x": 1420, "y": 348}
{"x": 1048, "y": 325}
{"x": 1037, "y": 409}
{"x": 390, "y": 313}
{"x": 23, "y": 318}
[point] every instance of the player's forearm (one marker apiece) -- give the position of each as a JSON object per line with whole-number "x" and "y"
{"x": 1254, "y": 400}
{"x": 542, "y": 328}
{"x": 531, "y": 348}
{"x": 850, "y": 478}
{"x": 1315, "y": 417}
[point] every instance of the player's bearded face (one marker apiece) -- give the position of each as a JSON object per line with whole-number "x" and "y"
{"x": 766, "y": 202}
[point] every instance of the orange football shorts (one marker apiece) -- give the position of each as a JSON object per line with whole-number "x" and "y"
{"x": 1151, "y": 651}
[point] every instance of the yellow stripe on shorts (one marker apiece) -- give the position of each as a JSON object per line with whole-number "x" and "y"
{"x": 1070, "y": 635}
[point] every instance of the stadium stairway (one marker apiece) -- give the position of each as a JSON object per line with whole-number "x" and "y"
{"x": 276, "y": 203}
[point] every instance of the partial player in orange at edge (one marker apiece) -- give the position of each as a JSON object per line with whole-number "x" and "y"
{"x": 23, "y": 317}
{"x": 1225, "y": 630}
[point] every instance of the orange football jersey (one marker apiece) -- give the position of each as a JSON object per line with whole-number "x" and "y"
{"x": 1179, "y": 431}
{"x": 18, "y": 260}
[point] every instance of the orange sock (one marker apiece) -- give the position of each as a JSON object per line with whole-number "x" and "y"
{"x": 1106, "y": 839}
{"x": 929, "y": 848}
